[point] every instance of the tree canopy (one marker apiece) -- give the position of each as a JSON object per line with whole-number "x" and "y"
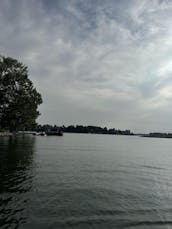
{"x": 82, "y": 129}
{"x": 19, "y": 98}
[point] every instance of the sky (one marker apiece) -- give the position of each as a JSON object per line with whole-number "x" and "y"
{"x": 95, "y": 62}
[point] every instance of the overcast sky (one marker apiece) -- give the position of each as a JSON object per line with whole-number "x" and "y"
{"x": 95, "y": 62}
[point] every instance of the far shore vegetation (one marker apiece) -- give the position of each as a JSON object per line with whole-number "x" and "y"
{"x": 158, "y": 135}
{"x": 82, "y": 129}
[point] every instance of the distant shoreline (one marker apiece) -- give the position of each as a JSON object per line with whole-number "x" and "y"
{"x": 156, "y": 136}
{"x": 123, "y": 133}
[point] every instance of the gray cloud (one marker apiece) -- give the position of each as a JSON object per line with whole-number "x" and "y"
{"x": 95, "y": 62}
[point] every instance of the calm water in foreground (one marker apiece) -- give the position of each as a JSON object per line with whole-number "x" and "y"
{"x": 85, "y": 181}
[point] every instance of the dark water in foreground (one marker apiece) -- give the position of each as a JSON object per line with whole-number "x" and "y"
{"x": 85, "y": 181}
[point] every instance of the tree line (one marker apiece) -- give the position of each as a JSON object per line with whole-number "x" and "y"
{"x": 82, "y": 129}
{"x": 158, "y": 135}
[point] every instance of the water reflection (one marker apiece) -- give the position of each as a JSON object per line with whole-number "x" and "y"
{"x": 16, "y": 177}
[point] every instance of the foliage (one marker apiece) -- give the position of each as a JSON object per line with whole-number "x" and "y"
{"x": 82, "y": 129}
{"x": 158, "y": 135}
{"x": 19, "y": 99}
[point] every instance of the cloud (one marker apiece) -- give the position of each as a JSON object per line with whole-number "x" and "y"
{"x": 95, "y": 62}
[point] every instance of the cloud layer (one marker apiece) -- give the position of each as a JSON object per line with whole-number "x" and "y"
{"x": 95, "y": 62}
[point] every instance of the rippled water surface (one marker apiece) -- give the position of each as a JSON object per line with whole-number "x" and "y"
{"x": 85, "y": 181}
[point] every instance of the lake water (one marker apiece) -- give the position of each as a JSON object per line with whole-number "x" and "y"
{"x": 85, "y": 181}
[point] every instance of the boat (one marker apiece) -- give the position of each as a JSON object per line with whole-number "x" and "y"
{"x": 40, "y": 134}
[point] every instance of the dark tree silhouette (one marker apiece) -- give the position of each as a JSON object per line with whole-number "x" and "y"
{"x": 19, "y": 99}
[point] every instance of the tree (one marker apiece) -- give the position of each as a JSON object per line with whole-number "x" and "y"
{"x": 19, "y": 99}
